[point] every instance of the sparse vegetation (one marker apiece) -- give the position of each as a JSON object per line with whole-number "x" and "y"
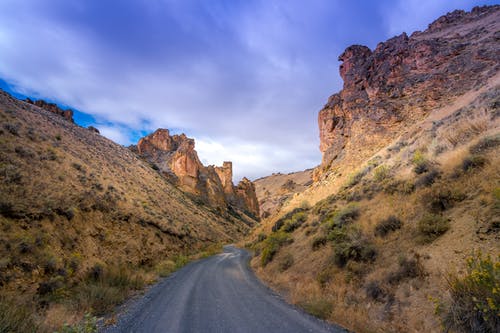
{"x": 380, "y": 173}
{"x": 388, "y": 225}
{"x": 350, "y": 244}
{"x": 420, "y": 162}
{"x": 321, "y": 308}
{"x": 286, "y": 262}
{"x": 408, "y": 268}
{"x": 291, "y": 221}
{"x": 88, "y": 325}
{"x": 474, "y": 303}
{"x": 16, "y": 317}
{"x": 272, "y": 245}
{"x": 431, "y": 226}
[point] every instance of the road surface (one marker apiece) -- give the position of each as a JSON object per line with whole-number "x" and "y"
{"x": 217, "y": 294}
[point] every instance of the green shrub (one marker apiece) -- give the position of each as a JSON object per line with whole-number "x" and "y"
{"x": 350, "y": 244}
{"x": 294, "y": 219}
{"x": 294, "y": 222}
{"x": 474, "y": 304}
{"x": 431, "y": 226}
{"x": 380, "y": 173}
{"x": 343, "y": 217}
{"x": 272, "y": 245}
{"x": 420, "y": 163}
{"x": 390, "y": 224}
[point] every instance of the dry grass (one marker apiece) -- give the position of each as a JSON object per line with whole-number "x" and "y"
{"x": 458, "y": 189}
{"x": 70, "y": 199}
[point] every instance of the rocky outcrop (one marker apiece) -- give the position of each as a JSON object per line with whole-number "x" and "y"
{"x": 246, "y": 198}
{"x": 399, "y": 82}
{"x": 175, "y": 156}
{"x": 52, "y": 107}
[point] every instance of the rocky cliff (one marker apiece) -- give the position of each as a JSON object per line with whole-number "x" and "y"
{"x": 402, "y": 79}
{"x": 177, "y": 159}
{"x": 52, "y": 107}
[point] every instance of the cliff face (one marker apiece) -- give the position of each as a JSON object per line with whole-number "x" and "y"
{"x": 177, "y": 159}
{"x": 404, "y": 78}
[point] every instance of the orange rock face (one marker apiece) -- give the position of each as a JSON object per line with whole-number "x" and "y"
{"x": 175, "y": 156}
{"x": 399, "y": 82}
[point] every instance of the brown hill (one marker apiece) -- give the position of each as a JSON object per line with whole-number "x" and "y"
{"x": 274, "y": 191}
{"x": 78, "y": 210}
{"x": 407, "y": 195}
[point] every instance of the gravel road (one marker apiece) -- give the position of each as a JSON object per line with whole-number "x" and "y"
{"x": 216, "y": 294}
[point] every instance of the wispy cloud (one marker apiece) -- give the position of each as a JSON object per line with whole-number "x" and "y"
{"x": 244, "y": 78}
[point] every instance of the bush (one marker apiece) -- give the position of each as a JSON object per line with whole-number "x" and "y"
{"x": 318, "y": 242}
{"x": 294, "y": 219}
{"x": 427, "y": 179}
{"x": 286, "y": 262}
{"x": 409, "y": 268}
{"x": 485, "y": 144}
{"x": 272, "y": 245}
{"x": 294, "y": 222}
{"x": 420, "y": 162}
{"x": 374, "y": 291}
{"x": 380, "y": 173}
{"x": 431, "y": 226}
{"x": 474, "y": 304}
{"x": 473, "y": 162}
{"x": 441, "y": 197}
{"x": 356, "y": 177}
{"x": 343, "y": 217}
{"x": 390, "y": 224}
{"x": 350, "y": 244}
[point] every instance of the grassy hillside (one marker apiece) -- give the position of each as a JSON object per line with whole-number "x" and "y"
{"x": 84, "y": 221}
{"x": 401, "y": 244}
{"x": 275, "y": 190}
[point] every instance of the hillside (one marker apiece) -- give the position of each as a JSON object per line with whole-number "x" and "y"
{"x": 406, "y": 201}
{"x": 78, "y": 210}
{"x": 274, "y": 191}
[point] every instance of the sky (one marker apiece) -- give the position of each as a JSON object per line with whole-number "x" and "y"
{"x": 245, "y": 78}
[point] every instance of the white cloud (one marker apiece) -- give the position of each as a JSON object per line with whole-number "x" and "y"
{"x": 117, "y": 134}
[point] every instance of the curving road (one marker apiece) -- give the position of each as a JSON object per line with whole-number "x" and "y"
{"x": 216, "y": 294}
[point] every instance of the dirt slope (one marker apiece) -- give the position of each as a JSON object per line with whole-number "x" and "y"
{"x": 71, "y": 199}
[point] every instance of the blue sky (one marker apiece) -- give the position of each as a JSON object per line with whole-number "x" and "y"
{"x": 245, "y": 78}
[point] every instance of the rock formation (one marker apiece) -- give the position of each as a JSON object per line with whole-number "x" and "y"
{"x": 52, "y": 107}
{"x": 177, "y": 159}
{"x": 404, "y": 78}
